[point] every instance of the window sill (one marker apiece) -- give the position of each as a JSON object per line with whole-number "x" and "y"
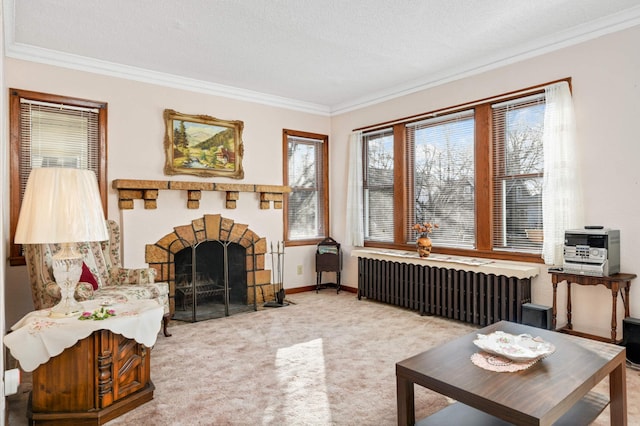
{"x": 463, "y": 263}
{"x": 485, "y": 254}
{"x": 308, "y": 242}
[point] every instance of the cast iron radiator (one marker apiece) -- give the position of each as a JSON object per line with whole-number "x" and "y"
{"x": 471, "y": 297}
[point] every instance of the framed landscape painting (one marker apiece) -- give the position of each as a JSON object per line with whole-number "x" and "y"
{"x": 203, "y": 146}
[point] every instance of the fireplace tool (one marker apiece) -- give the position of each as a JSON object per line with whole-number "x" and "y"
{"x": 277, "y": 268}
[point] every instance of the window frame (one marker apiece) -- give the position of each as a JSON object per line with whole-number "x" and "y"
{"x": 412, "y": 127}
{"x": 484, "y": 173}
{"x": 366, "y": 186}
{"x": 286, "y": 133}
{"x": 15, "y": 250}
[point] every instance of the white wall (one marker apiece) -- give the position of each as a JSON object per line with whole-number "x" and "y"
{"x": 606, "y": 89}
{"x": 4, "y": 220}
{"x": 605, "y": 73}
{"x": 136, "y": 131}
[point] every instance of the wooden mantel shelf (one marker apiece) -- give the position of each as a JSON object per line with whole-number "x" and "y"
{"x": 148, "y": 190}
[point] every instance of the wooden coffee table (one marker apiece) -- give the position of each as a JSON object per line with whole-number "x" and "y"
{"x": 555, "y": 390}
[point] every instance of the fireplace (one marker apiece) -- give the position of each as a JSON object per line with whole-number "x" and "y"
{"x": 210, "y": 281}
{"x": 214, "y": 267}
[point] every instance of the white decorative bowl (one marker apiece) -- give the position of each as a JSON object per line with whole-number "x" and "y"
{"x": 521, "y": 348}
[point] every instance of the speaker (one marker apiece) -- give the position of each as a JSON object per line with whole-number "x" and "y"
{"x": 631, "y": 339}
{"x": 536, "y": 315}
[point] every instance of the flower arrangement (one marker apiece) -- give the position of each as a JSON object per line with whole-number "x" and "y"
{"x": 425, "y": 228}
{"x": 98, "y": 314}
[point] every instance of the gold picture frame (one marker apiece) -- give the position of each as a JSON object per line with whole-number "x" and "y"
{"x": 201, "y": 145}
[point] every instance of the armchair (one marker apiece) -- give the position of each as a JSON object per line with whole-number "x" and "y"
{"x": 112, "y": 281}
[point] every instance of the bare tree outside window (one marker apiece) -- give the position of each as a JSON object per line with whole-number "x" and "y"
{"x": 444, "y": 182}
{"x": 519, "y": 168}
{"x": 306, "y": 205}
{"x": 378, "y": 186}
{"x": 304, "y": 217}
{"x": 476, "y": 170}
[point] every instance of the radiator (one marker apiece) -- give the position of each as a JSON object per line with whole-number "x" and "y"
{"x": 472, "y": 297}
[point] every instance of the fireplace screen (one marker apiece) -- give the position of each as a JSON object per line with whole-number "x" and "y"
{"x": 210, "y": 281}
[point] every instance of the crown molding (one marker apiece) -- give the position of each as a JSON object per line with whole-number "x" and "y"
{"x": 576, "y": 35}
{"x": 610, "y": 24}
{"x": 82, "y": 63}
{"x": 97, "y": 66}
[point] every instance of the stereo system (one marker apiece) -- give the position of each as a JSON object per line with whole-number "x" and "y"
{"x": 594, "y": 251}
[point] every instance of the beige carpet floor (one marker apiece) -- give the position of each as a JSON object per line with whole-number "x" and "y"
{"x": 325, "y": 359}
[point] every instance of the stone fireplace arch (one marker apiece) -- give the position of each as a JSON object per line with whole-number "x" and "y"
{"x": 212, "y": 227}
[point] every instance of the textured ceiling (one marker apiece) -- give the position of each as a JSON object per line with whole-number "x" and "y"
{"x": 318, "y": 55}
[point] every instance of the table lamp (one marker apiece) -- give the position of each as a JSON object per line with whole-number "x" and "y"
{"x": 62, "y": 205}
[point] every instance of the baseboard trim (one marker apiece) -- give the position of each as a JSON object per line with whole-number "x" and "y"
{"x": 313, "y": 288}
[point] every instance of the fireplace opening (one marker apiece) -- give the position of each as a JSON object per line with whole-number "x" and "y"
{"x": 210, "y": 281}
{"x": 248, "y": 283}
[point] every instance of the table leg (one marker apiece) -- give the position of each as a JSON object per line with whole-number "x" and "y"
{"x": 569, "y": 325}
{"x": 614, "y": 310}
{"x": 626, "y": 299}
{"x": 406, "y": 408}
{"x": 618, "y": 395}
{"x": 554, "y": 310}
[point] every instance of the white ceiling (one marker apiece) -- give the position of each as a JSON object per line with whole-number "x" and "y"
{"x": 322, "y": 56}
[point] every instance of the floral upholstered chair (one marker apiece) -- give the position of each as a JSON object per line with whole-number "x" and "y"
{"x": 102, "y": 277}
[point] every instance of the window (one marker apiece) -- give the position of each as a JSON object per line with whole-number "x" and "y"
{"x": 518, "y": 170}
{"x": 306, "y": 173}
{"x": 476, "y": 170}
{"x": 441, "y": 156}
{"x": 53, "y": 131}
{"x": 378, "y": 185}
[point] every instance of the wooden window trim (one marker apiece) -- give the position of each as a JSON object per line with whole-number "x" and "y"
{"x": 285, "y": 178}
{"x": 484, "y": 175}
{"x": 15, "y": 256}
{"x": 484, "y": 170}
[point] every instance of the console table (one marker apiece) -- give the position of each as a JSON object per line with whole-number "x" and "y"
{"x": 615, "y": 283}
{"x": 87, "y": 372}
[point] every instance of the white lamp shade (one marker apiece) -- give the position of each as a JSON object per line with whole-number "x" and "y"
{"x": 61, "y": 206}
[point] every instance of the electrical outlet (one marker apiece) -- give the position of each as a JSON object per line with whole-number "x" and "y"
{"x": 299, "y": 269}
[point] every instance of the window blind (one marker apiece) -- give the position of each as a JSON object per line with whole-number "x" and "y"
{"x": 441, "y": 158}
{"x": 57, "y": 135}
{"x": 305, "y": 177}
{"x": 377, "y": 185}
{"x": 518, "y": 169}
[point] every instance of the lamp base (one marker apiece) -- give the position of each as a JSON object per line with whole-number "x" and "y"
{"x": 66, "y": 308}
{"x": 67, "y": 267}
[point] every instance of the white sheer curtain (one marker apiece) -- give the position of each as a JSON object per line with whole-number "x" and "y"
{"x": 562, "y": 201}
{"x": 355, "y": 226}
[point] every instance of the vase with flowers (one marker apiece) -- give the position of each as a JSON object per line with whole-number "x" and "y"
{"x": 423, "y": 243}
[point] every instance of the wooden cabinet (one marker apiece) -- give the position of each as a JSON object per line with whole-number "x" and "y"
{"x": 98, "y": 379}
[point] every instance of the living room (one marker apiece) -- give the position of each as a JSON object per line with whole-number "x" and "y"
{"x": 604, "y": 69}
